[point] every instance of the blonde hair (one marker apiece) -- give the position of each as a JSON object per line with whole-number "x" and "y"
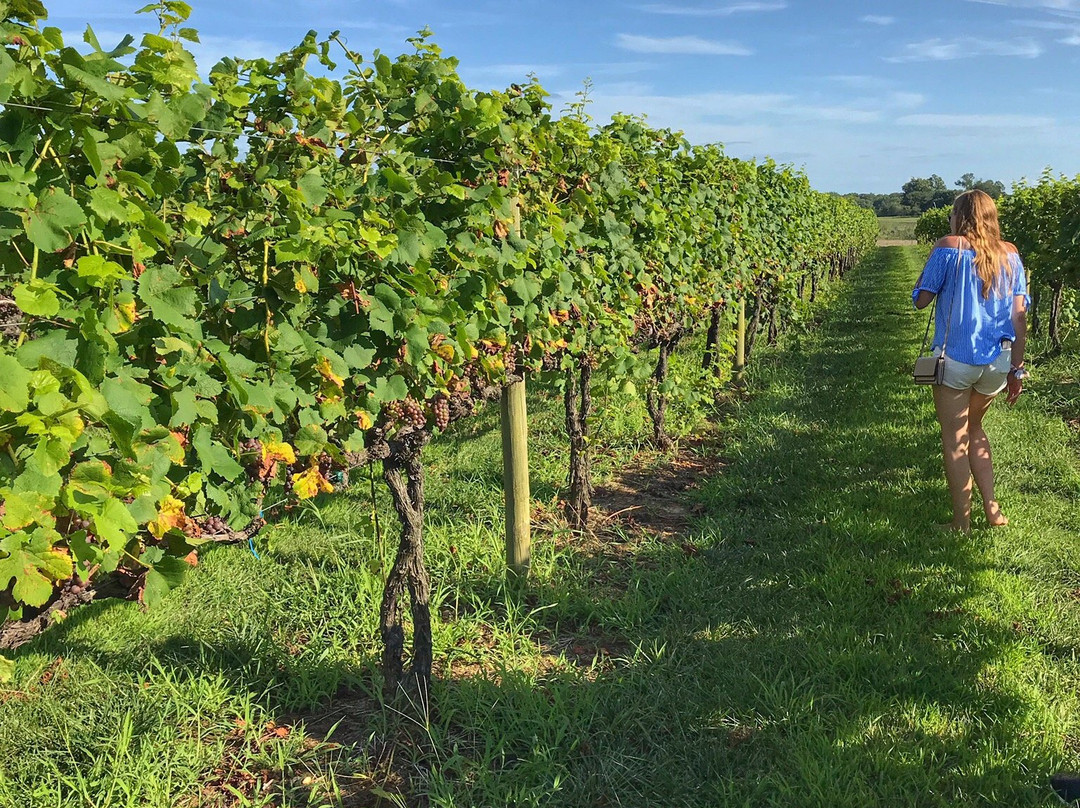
{"x": 976, "y": 219}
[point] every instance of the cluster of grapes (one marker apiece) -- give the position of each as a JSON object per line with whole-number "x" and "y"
{"x": 77, "y": 522}
{"x": 252, "y": 448}
{"x": 440, "y": 408}
{"x": 214, "y": 526}
{"x": 414, "y": 413}
{"x": 408, "y": 411}
{"x": 76, "y": 585}
{"x": 326, "y": 464}
{"x": 511, "y": 360}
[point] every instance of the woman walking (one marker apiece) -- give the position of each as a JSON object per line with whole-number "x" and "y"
{"x": 981, "y": 326}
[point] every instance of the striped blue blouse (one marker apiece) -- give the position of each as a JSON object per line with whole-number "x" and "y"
{"x": 978, "y": 325}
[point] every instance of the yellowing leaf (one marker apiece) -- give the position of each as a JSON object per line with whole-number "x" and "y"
{"x": 327, "y": 372}
{"x": 363, "y": 419}
{"x": 446, "y": 351}
{"x": 272, "y": 452}
{"x": 308, "y": 484}
{"x": 126, "y": 316}
{"x": 34, "y": 564}
{"x": 301, "y": 287}
{"x": 170, "y": 515}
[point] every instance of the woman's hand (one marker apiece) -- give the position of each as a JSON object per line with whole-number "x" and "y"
{"x": 1015, "y": 387}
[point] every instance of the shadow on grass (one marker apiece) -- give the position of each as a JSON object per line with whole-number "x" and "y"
{"x": 820, "y": 650}
{"x": 812, "y": 642}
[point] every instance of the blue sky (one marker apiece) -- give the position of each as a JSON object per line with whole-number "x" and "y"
{"x": 864, "y": 95}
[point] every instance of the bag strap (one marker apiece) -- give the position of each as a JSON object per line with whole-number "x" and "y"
{"x": 929, "y": 320}
{"x": 933, "y": 308}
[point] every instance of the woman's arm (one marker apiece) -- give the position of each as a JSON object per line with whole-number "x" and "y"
{"x": 923, "y": 299}
{"x": 1019, "y": 321}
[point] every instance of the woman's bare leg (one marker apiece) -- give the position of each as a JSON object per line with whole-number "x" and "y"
{"x": 952, "y": 413}
{"x": 981, "y": 459}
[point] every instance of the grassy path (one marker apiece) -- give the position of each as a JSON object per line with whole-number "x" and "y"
{"x": 813, "y": 642}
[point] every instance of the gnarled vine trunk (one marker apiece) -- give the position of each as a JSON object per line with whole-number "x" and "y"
{"x": 657, "y": 401}
{"x": 1033, "y": 313}
{"x": 404, "y": 475}
{"x": 755, "y": 322}
{"x": 712, "y": 340}
{"x": 774, "y": 325}
{"x": 1053, "y": 322}
{"x": 578, "y": 400}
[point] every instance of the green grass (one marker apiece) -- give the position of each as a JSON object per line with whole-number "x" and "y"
{"x": 812, "y": 642}
{"x": 895, "y": 228}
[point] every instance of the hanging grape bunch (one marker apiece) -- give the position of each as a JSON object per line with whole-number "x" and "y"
{"x": 251, "y": 451}
{"x": 440, "y": 408}
{"x": 214, "y": 526}
{"x": 414, "y": 413}
{"x": 511, "y": 360}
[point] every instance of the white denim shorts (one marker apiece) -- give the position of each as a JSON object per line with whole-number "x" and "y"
{"x": 986, "y": 379}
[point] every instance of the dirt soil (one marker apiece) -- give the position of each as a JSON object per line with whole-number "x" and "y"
{"x": 652, "y": 497}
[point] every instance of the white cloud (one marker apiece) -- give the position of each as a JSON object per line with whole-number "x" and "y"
{"x": 689, "y": 45}
{"x": 861, "y": 82}
{"x": 937, "y": 49}
{"x": 906, "y": 100}
{"x": 1066, "y": 6}
{"x": 877, "y": 19}
{"x": 713, "y": 11}
{"x": 997, "y": 122}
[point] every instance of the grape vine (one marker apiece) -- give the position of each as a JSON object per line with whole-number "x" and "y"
{"x": 223, "y": 288}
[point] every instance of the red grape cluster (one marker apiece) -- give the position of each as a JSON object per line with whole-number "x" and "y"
{"x": 78, "y": 523}
{"x": 326, "y": 463}
{"x": 414, "y": 413}
{"x": 511, "y": 360}
{"x": 395, "y": 413}
{"x": 440, "y": 408}
{"x": 214, "y": 526}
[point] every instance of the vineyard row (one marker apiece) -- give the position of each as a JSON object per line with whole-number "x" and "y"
{"x": 222, "y": 289}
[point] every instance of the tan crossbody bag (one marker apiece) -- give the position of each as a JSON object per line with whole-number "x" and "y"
{"x": 931, "y": 369}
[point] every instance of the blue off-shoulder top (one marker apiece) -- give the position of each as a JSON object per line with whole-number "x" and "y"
{"x": 978, "y": 324}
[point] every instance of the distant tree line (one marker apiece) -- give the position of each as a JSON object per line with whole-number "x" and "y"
{"x": 921, "y": 194}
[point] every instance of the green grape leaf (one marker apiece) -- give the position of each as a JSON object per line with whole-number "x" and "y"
{"x": 310, "y": 440}
{"x": 166, "y": 574}
{"x": 51, "y": 225}
{"x": 114, "y": 523}
{"x": 170, "y": 299}
{"x": 34, "y": 565}
{"x": 38, "y": 299}
{"x": 15, "y": 391}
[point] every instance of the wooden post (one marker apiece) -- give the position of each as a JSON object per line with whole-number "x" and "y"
{"x": 740, "y": 343}
{"x": 515, "y": 440}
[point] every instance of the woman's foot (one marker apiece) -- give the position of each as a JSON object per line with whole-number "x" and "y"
{"x": 994, "y": 515}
